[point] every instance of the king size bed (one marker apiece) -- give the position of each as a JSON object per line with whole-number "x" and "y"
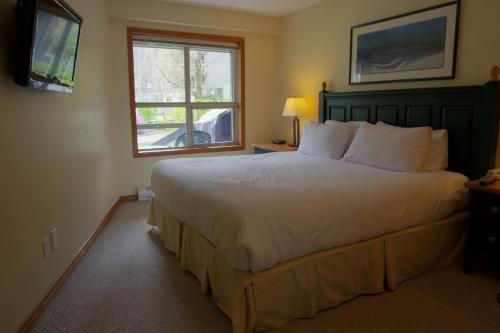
{"x": 280, "y": 236}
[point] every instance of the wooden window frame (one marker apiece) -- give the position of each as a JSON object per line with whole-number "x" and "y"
{"x": 240, "y": 93}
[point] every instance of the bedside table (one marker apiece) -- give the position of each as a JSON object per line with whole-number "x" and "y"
{"x": 263, "y": 148}
{"x": 484, "y": 224}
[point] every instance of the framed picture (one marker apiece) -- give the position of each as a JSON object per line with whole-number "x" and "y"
{"x": 416, "y": 46}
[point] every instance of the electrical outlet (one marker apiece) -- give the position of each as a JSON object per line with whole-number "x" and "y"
{"x": 46, "y": 247}
{"x": 54, "y": 237}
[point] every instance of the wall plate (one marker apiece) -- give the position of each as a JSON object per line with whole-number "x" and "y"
{"x": 45, "y": 247}
{"x": 54, "y": 237}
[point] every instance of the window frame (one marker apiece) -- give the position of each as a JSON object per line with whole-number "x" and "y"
{"x": 239, "y": 103}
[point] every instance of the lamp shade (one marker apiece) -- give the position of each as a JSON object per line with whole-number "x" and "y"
{"x": 294, "y": 107}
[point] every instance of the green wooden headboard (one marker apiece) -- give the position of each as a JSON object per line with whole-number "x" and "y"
{"x": 470, "y": 114}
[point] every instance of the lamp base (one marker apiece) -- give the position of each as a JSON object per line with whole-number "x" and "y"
{"x": 296, "y": 132}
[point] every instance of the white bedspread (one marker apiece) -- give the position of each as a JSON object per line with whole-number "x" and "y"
{"x": 260, "y": 210}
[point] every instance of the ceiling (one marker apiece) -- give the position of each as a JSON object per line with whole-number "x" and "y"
{"x": 276, "y": 8}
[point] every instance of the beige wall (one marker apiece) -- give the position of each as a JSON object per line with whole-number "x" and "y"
{"x": 67, "y": 157}
{"x": 314, "y": 47}
{"x": 55, "y": 168}
{"x": 260, "y": 41}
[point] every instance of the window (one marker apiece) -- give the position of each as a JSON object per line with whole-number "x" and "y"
{"x": 186, "y": 92}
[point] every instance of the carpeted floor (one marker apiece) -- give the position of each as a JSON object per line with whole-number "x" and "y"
{"x": 127, "y": 282}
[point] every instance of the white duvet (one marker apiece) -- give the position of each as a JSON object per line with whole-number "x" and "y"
{"x": 260, "y": 210}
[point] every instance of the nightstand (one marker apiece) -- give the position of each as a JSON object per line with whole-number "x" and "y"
{"x": 484, "y": 224}
{"x": 263, "y": 148}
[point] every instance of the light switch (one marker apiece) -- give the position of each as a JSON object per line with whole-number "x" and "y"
{"x": 45, "y": 246}
{"x": 54, "y": 236}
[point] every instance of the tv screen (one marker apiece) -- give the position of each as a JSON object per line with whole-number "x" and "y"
{"x": 47, "y": 55}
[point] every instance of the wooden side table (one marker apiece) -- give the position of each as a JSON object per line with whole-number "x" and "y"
{"x": 263, "y": 148}
{"x": 484, "y": 224}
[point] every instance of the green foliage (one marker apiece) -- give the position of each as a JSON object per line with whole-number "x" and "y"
{"x": 162, "y": 115}
{"x": 197, "y": 114}
{"x": 41, "y": 67}
{"x": 208, "y": 99}
{"x": 147, "y": 114}
{"x": 177, "y": 115}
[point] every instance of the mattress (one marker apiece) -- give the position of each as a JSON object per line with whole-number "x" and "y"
{"x": 261, "y": 210}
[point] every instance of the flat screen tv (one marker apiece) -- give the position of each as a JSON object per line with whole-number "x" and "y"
{"x": 47, "y": 36}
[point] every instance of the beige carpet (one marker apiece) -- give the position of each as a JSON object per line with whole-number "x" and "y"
{"x": 127, "y": 282}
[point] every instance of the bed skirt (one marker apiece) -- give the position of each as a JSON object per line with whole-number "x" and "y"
{"x": 301, "y": 287}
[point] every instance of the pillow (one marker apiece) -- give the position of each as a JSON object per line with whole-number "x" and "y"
{"x": 355, "y": 122}
{"x": 437, "y": 159}
{"x": 390, "y": 147}
{"x": 326, "y": 140}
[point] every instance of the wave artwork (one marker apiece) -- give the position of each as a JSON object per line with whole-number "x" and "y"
{"x": 410, "y": 47}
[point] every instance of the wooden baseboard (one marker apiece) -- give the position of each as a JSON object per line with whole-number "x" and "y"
{"x": 128, "y": 198}
{"x": 46, "y": 300}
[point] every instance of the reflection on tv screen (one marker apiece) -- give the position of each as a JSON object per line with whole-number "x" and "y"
{"x": 55, "y": 49}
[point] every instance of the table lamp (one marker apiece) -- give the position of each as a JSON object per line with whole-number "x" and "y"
{"x": 295, "y": 107}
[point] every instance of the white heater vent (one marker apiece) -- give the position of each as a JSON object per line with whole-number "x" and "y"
{"x": 145, "y": 193}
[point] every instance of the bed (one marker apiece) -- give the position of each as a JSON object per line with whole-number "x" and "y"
{"x": 283, "y": 235}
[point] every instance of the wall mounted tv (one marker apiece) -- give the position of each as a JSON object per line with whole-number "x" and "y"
{"x": 47, "y": 36}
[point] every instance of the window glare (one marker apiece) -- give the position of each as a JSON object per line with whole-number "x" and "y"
{"x": 211, "y": 76}
{"x": 159, "y": 74}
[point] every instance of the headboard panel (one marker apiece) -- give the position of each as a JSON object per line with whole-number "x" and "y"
{"x": 470, "y": 114}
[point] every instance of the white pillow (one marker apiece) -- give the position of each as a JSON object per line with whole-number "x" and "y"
{"x": 437, "y": 159}
{"x": 355, "y": 122}
{"x": 390, "y": 147}
{"x": 326, "y": 140}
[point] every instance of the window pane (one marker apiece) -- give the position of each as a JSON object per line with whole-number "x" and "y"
{"x": 212, "y": 126}
{"x": 160, "y": 128}
{"x": 158, "y": 73}
{"x": 211, "y": 76}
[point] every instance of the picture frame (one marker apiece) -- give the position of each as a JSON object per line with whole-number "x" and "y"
{"x": 416, "y": 46}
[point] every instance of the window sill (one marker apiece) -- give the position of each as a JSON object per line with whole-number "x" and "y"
{"x": 183, "y": 151}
